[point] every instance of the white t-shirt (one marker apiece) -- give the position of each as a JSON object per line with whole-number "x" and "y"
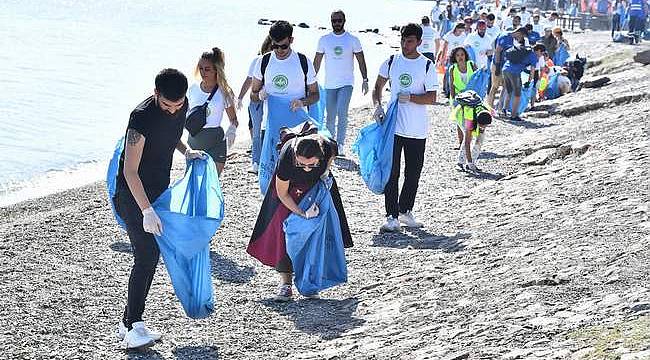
{"x": 339, "y": 53}
{"x": 284, "y": 78}
{"x": 196, "y": 96}
{"x": 429, "y": 36}
{"x": 539, "y": 28}
{"x": 507, "y": 23}
{"x": 410, "y": 75}
{"x": 454, "y": 41}
{"x": 251, "y": 68}
{"x": 525, "y": 18}
{"x": 493, "y": 31}
{"x": 480, "y": 45}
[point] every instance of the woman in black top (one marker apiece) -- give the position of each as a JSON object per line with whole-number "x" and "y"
{"x": 303, "y": 162}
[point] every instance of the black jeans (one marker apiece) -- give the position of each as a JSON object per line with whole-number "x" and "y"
{"x": 413, "y": 161}
{"x": 616, "y": 23}
{"x": 145, "y": 257}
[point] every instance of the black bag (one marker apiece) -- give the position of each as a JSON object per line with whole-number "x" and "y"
{"x": 518, "y": 55}
{"x": 196, "y": 117}
{"x": 300, "y": 130}
{"x": 469, "y": 98}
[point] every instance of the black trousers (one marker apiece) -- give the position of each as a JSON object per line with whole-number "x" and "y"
{"x": 395, "y": 201}
{"x": 145, "y": 257}
{"x": 616, "y": 23}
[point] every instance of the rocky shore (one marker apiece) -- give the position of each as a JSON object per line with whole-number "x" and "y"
{"x": 543, "y": 256}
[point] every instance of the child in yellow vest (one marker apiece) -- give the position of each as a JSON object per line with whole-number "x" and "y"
{"x": 471, "y": 122}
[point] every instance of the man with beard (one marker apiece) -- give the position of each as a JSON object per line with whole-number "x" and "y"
{"x": 339, "y": 47}
{"x": 481, "y": 43}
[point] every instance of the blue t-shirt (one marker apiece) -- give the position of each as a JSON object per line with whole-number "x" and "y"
{"x": 505, "y": 41}
{"x": 530, "y": 60}
{"x": 533, "y": 37}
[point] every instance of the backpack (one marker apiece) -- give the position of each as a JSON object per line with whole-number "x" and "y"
{"x": 518, "y": 55}
{"x": 303, "y": 64}
{"x": 472, "y": 99}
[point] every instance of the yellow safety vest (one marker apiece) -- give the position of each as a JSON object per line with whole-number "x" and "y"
{"x": 459, "y": 85}
{"x": 461, "y": 113}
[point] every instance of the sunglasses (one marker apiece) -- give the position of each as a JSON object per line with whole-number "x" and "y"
{"x": 306, "y": 166}
{"x": 279, "y": 46}
{"x": 340, "y": 21}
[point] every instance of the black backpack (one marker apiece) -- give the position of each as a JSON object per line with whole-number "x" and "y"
{"x": 518, "y": 55}
{"x": 303, "y": 64}
{"x": 472, "y": 99}
{"x": 390, "y": 62}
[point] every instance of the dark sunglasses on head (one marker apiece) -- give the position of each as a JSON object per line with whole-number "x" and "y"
{"x": 279, "y": 46}
{"x": 306, "y": 166}
{"x": 334, "y": 21}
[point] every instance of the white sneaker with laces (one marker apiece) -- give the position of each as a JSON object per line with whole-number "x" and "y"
{"x": 137, "y": 337}
{"x": 391, "y": 225}
{"x": 122, "y": 330}
{"x": 408, "y": 220}
{"x": 285, "y": 293}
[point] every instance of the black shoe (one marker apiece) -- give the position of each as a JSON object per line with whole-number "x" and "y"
{"x": 516, "y": 118}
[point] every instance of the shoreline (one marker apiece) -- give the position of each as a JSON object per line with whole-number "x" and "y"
{"x": 533, "y": 261}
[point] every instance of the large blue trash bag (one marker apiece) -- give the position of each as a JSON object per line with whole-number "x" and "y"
{"x": 111, "y": 178}
{"x": 279, "y": 115}
{"x": 526, "y": 93}
{"x": 317, "y": 110}
{"x": 191, "y": 211}
{"x": 553, "y": 88}
{"x": 561, "y": 55}
{"x": 479, "y": 82}
{"x": 471, "y": 54}
{"x": 315, "y": 246}
{"x": 374, "y": 146}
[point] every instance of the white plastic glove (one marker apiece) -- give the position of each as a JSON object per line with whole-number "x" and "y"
{"x": 240, "y": 104}
{"x": 231, "y": 133}
{"x": 379, "y": 114}
{"x": 312, "y": 211}
{"x": 263, "y": 95}
{"x": 151, "y": 222}
{"x": 364, "y": 87}
{"x": 193, "y": 154}
{"x": 404, "y": 97}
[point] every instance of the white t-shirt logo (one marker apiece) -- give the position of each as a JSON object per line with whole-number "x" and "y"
{"x": 338, "y": 50}
{"x": 405, "y": 80}
{"x": 280, "y": 81}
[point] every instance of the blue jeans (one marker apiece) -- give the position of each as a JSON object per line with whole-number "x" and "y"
{"x": 256, "y": 113}
{"x": 338, "y": 102}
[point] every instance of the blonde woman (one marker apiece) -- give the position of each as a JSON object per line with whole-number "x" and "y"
{"x": 212, "y": 137}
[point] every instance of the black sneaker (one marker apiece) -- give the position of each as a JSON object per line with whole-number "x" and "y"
{"x": 516, "y": 118}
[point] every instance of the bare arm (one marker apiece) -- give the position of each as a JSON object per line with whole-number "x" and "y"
{"x": 317, "y": 60}
{"x": 256, "y": 86}
{"x": 452, "y": 89}
{"x": 244, "y": 87}
{"x": 132, "y": 156}
{"x": 232, "y": 115}
{"x": 282, "y": 188}
{"x": 313, "y": 96}
{"x": 376, "y": 92}
{"x": 361, "y": 59}
{"x": 427, "y": 98}
{"x": 437, "y": 46}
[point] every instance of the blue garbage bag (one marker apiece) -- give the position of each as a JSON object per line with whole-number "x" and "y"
{"x": 471, "y": 54}
{"x": 374, "y": 146}
{"x": 111, "y": 178}
{"x": 315, "y": 246}
{"x": 561, "y": 55}
{"x": 479, "y": 82}
{"x": 191, "y": 211}
{"x": 553, "y": 88}
{"x": 526, "y": 93}
{"x": 317, "y": 110}
{"x": 279, "y": 115}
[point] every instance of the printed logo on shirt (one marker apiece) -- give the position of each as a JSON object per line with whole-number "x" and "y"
{"x": 338, "y": 50}
{"x": 280, "y": 81}
{"x": 405, "y": 80}
{"x": 207, "y": 111}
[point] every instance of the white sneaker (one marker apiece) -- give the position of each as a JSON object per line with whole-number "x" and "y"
{"x": 122, "y": 330}
{"x": 254, "y": 168}
{"x": 285, "y": 293}
{"x": 391, "y": 225}
{"x": 409, "y": 220}
{"x": 137, "y": 337}
{"x": 341, "y": 150}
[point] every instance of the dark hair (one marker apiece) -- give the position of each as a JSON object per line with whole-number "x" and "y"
{"x": 539, "y": 47}
{"x": 484, "y": 118}
{"x": 555, "y": 14}
{"x": 516, "y": 16}
{"x": 425, "y": 20}
{"x": 491, "y": 17}
{"x": 411, "y": 29}
{"x": 309, "y": 147}
{"x": 338, "y": 11}
{"x": 452, "y": 56}
{"x": 280, "y": 30}
{"x": 171, "y": 84}
{"x": 529, "y": 27}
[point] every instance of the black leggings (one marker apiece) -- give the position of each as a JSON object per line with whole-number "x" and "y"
{"x": 145, "y": 258}
{"x": 413, "y": 161}
{"x": 616, "y": 23}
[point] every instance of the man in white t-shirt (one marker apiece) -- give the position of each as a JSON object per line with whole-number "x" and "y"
{"x": 435, "y": 15}
{"x": 481, "y": 43}
{"x": 283, "y": 75}
{"x": 413, "y": 82}
{"x": 492, "y": 29}
{"x": 339, "y": 49}
{"x": 430, "y": 40}
{"x": 452, "y": 40}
